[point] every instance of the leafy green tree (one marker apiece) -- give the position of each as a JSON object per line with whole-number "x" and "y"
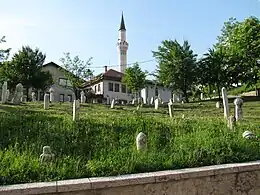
{"x": 241, "y": 41}
{"x": 4, "y": 53}
{"x": 135, "y": 78}
{"x": 26, "y": 67}
{"x": 213, "y": 70}
{"x": 176, "y": 66}
{"x": 76, "y": 71}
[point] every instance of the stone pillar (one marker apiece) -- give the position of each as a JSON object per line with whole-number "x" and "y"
{"x": 52, "y": 97}
{"x": 46, "y": 101}
{"x": 238, "y": 102}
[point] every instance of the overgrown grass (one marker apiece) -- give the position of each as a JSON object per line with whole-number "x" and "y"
{"x": 102, "y": 141}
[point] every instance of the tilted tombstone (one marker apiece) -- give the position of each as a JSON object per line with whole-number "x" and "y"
{"x": 46, "y": 102}
{"x": 141, "y": 142}
{"x": 18, "y": 94}
{"x": 238, "y": 102}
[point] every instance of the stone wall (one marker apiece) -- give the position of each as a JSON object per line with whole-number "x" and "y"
{"x": 233, "y": 179}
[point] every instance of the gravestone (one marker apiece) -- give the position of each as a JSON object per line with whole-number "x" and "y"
{"x": 108, "y": 100}
{"x": 82, "y": 95}
{"x": 249, "y": 135}
{"x": 113, "y": 104}
{"x": 170, "y": 108}
{"x": 133, "y": 101}
{"x": 225, "y": 102}
{"x": 201, "y": 96}
{"x": 75, "y": 110}
{"x": 152, "y": 100}
{"x": 18, "y": 94}
{"x": 218, "y": 104}
{"x": 238, "y": 102}
{"x": 73, "y": 96}
{"x": 173, "y": 98}
{"x": 4, "y": 91}
{"x": 52, "y": 97}
{"x": 141, "y": 142}
{"x": 33, "y": 96}
{"x": 7, "y": 94}
{"x": 47, "y": 155}
{"x": 156, "y": 104}
{"x": 231, "y": 122}
{"x": 46, "y": 101}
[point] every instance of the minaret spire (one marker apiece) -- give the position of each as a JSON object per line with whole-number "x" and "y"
{"x": 122, "y": 25}
{"x": 122, "y": 46}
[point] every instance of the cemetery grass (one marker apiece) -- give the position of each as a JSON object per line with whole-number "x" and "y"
{"x": 102, "y": 141}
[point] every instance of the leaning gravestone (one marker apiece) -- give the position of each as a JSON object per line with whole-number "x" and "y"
{"x": 33, "y": 97}
{"x": 7, "y": 94}
{"x": 18, "y": 94}
{"x": 218, "y": 105}
{"x": 156, "y": 104}
{"x": 47, "y": 155}
{"x": 4, "y": 92}
{"x": 141, "y": 141}
{"x": 113, "y": 104}
{"x": 46, "y": 102}
{"x": 152, "y": 100}
{"x": 225, "y": 103}
{"x": 52, "y": 97}
{"x": 249, "y": 135}
{"x": 238, "y": 102}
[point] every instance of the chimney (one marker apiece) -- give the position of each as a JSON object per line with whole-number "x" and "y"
{"x": 105, "y": 69}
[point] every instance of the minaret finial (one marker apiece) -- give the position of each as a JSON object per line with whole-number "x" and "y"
{"x": 122, "y": 25}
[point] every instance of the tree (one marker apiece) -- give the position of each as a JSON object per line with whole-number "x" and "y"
{"x": 26, "y": 67}
{"x": 242, "y": 46}
{"x": 4, "y": 53}
{"x": 76, "y": 71}
{"x": 134, "y": 78}
{"x": 213, "y": 70}
{"x": 176, "y": 66}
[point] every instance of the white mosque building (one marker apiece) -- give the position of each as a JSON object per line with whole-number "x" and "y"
{"x": 108, "y": 85}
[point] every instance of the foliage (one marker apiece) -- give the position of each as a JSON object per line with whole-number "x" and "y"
{"x": 241, "y": 41}
{"x": 176, "y": 65}
{"x": 76, "y": 70}
{"x": 90, "y": 148}
{"x": 26, "y": 67}
{"x": 4, "y": 53}
{"x": 212, "y": 70}
{"x": 134, "y": 78}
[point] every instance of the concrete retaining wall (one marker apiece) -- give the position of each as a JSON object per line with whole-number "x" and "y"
{"x": 233, "y": 179}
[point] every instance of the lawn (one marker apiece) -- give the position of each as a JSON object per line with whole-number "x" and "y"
{"x": 102, "y": 141}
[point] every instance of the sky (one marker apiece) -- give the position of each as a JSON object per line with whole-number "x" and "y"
{"x": 89, "y": 28}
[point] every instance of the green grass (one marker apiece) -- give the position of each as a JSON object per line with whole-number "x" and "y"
{"x": 102, "y": 141}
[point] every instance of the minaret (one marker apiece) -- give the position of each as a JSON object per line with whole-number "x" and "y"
{"x": 122, "y": 46}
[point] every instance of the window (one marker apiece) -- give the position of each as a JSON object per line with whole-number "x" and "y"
{"x": 116, "y": 87}
{"x": 63, "y": 82}
{"x": 98, "y": 87}
{"x": 95, "y": 89}
{"x": 61, "y": 97}
{"x": 69, "y": 83}
{"x": 110, "y": 86}
{"x": 123, "y": 88}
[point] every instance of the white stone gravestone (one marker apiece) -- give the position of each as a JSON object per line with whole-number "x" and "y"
{"x": 4, "y": 91}
{"x": 52, "y": 97}
{"x": 249, "y": 135}
{"x": 75, "y": 110}
{"x": 201, "y": 96}
{"x": 141, "y": 141}
{"x": 156, "y": 104}
{"x": 238, "y": 102}
{"x": 47, "y": 155}
{"x": 7, "y": 94}
{"x": 113, "y": 103}
{"x": 218, "y": 105}
{"x": 170, "y": 108}
{"x": 46, "y": 102}
{"x": 33, "y": 97}
{"x": 152, "y": 100}
{"x": 18, "y": 94}
{"x": 225, "y": 102}
{"x": 82, "y": 95}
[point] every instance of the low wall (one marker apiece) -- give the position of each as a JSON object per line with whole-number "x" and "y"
{"x": 233, "y": 179}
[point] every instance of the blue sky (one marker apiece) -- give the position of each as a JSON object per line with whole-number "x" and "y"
{"x": 89, "y": 28}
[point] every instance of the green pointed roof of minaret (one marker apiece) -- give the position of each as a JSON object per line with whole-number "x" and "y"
{"x": 122, "y": 25}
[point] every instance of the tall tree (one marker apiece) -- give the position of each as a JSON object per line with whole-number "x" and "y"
{"x": 176, "y": 65}
{"x": 26, "y": 67}
{"x": 4, "y": 53}
{"x": 213, "y": 70}
{"x": 242, "y": 44}
{"x": 135, "y": 78}
{"x": 76, "y": 71}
